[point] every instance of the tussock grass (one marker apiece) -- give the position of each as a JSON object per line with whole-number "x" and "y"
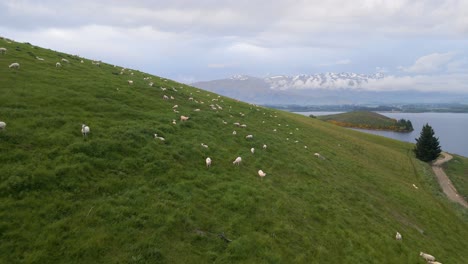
{"x": 121, "y": 196}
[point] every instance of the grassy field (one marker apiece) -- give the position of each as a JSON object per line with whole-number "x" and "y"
{"x": 121, "y": 196}
{"x": 363, "y": 119}
{"x": 457, "y": 170}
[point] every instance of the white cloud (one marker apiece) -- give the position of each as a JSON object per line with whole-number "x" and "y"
{"x": 434, "y": 62}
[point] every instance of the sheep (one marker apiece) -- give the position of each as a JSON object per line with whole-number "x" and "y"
{"x": 305, "y": 147}
{"x": 243, "y": 125}
{"x": 197, "y": 110}
{"x": 224, "y": 122}
{"x": 65, "y": 60}
{"x": 237, "y": 124}
{"x": 175, "y": 106}
{"x": 130, "y": 82}
{"x": 184, "y": 118}
{"x": 204, "y": 145}
{"x": 160, "y": 138}
{"x": 208, "y": 162}
{"x": 173, "y": 122}
{"x": 252, "y": 150}
{"x": 3, "y": 50}
{"x": 317, "y": 155}
{"x": 264, "y": 146}
{"x": 58, "y": 65}
{"x": 234, "y": 132}
{"x": 249, "y": 136}
{"x": 433, "y": 262}
{"x": 237, "y": 161}
{"x": 14, "y": 65}
{"x": 85, "y": 130}
{"x": 2, "y": 125}
{"x": 398, "y": 236}
{"x": 151, "y": 84}
{"x": 165, "y": 97}
{"x": 82, "y": 61}
{"x": 39, "y": 58}
{"x": 172, "y": 97}
{"x": 261, "y": 174}
{"x": 426, "y": 256}
{"x": 416, "y": 187}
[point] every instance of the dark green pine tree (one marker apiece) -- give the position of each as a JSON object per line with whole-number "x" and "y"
{"x": 427, "y": 145}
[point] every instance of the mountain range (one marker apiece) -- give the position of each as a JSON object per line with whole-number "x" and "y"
{"x": 319, "y": 89}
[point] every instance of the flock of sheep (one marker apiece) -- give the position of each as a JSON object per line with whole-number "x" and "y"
{"x": 85, "y": 130}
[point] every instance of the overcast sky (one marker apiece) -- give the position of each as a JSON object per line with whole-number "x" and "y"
{"x": 417, "y": 44}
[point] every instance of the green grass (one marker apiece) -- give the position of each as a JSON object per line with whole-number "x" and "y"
{"x": 362, "y": 119}
{"x": 457, "y": 170}
{"x": 120, "y": 196}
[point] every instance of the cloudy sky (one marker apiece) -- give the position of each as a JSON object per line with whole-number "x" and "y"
{"x": 418, "y": 44}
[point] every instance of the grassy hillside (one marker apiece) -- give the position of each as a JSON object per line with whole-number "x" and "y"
{"x": 457, "y": 171}
{"x": 365, "y": 120}
{"x": 121, "y": 196}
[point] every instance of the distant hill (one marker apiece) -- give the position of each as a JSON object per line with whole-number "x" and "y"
{"x": 319, "y": 89}
{"x": 368, "y": 120}
{"x": 120, "y": 195}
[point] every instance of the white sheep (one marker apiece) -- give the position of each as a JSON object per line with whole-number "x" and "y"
{"x": 39, "y": 58}
{"x": 204, "y": 145}
{"x": 3, "y": 50}
{"x": 234, "y": 132}
{"x": 130, "y": 82}
{"x": 14, "y": 65}
{"x": 433, "y": 262}
{"x": 249, "y": 136}
{"x": 82, "y": 61}
{"x": 264, "y": 146}
{"x": 58, "y": 65}
{"x": 175, "y": 106}
{"x": 174, "y": 122}
{"x": 261, "y": 174}
{"x": 237, "y": 161}
{"x": 398, "y": 236}
{"x": 208, "y": 162}
{"x": 414, "y": 185}
{"x": 243, "y": 125}
{"x": 184, "y": 118}
{"x": 165, "y": 97}
{"x": 2, "y": 125}
{"x": 237, "y": 124}
{"x": 317, "y": 155}
{"x": 151, "y": 84}
{"x": 65, "y": 60}
{"x": 252, "y": 150}
{"x": 85, "y": 130}
{"x": 426, "y": 256}
{"x": 160, "y": 138}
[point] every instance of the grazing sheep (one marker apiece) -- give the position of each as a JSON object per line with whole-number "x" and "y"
{"x": 165, "y": 97}
{"x": 130, "y": 82}
{"x": 243, "y": 125}
{"x": 426, "y": 256}
{"x": 3, "y": 50}
{"x": 173, "y": 122}
{"x": 317, "y": 155}
{"x": 197, "y": 110}
{"x": 204, "y": 145}
{"x": 184, "y": 118}
{"x": 264, "y": 146}
{"x": 261, "y": 174}
{"x": 237, "y": 161}
{"x": 208, "y": 162}
{"x": 398, "y": 236}
{"x": 234, "y": 132}
{"x": 58, "y": 65}
{"x": 249, "y": 136}
{"x": 160, "y": 138}
{"x": 305, "y": 147}
{"x": 175, "y": 106}
{"x": 2, "y": 125}
{"x": 65, "y": 60}
{"x": 39, "y": 58}
{"x": 82, "y": 61}
{"x": 237, "y": 124}
{"x": 14, "y": 65}
{"x": 224, "y": 122}
{"x": 416, "y": 187}
{"x": 151, "y": 84}
{"x": 85, "y": 130}
{"x": 252, "y": 150}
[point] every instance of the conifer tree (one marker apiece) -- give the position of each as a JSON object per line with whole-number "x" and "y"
{"x": 427, "y": 145}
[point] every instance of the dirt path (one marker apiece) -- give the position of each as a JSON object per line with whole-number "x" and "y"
{"x": 445, "y": 182}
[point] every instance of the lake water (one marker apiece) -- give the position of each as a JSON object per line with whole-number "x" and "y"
{"x": 450, "y": 128}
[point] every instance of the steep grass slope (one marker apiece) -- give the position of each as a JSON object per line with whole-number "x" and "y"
{"x": 121, "y": 196}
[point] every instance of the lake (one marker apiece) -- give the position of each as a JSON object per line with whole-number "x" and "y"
{"x": 450, "y": 128}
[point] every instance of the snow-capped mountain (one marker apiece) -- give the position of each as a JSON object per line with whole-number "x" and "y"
{"x": 327, "y": 80}
{"x": 322, "y": 88}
